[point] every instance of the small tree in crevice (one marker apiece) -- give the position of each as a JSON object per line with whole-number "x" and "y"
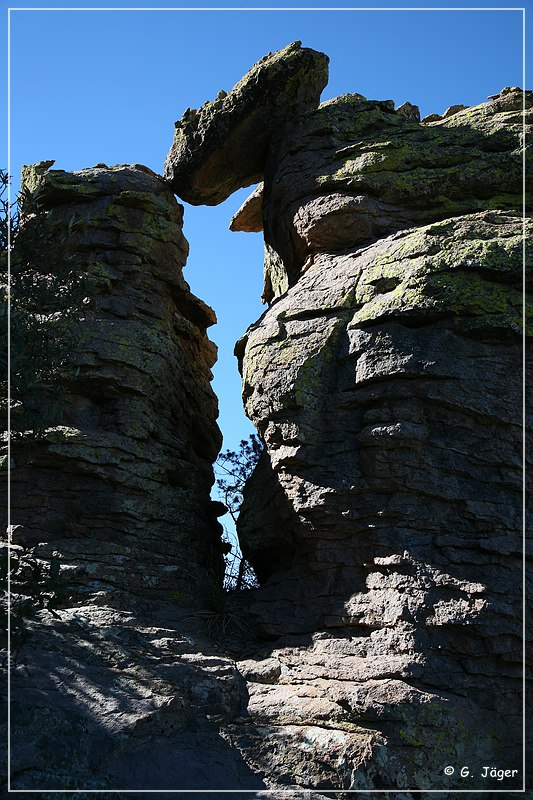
{"x": 234, "y": 468}
{"x": 48, "y": 295}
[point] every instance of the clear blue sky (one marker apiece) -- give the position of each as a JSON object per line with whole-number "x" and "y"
{"x": 106, "y": 86}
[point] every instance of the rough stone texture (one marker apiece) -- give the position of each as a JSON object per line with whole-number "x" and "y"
{"x": 354, "y": 171}
{"x": 135, "y": 698}
{"x": 121, "y": 488}
{"x": 223, "y": 146}
{"x": 249, "y": 217}
{"x": 410, "y": 111}
{"x": 387, "y": 387}
{"x": 384, "y": 519}
{"x": 453, "y": 110}
{"x": 348, "y": 716}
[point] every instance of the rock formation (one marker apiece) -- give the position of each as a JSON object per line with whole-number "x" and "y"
{"x": 384, "y": 517}
{"x": 121, "y": 488}
{"x": 223, "y": 146}
{"x": 386, "y": 383}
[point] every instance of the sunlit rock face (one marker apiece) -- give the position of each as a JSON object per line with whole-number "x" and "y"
{"x": 121, "y": 488}
{"x": 353, "y": 171}
{"x": 386, "y": 382}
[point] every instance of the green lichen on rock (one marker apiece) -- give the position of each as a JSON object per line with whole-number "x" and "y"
{"x": 384, "y": 172}
{"x": 469, "y": 267}
{"x": 32, "y": 175}
{"x": 313, "y": 379}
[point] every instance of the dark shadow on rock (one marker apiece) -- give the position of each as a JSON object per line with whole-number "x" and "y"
{"x": 103, "y": 699}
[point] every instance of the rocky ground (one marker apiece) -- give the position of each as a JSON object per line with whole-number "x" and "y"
{"x": 148, "y": 696}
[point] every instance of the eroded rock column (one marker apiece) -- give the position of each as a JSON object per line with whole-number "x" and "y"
{"x": 121, "y": 488}
{"x": 386, "y": 382}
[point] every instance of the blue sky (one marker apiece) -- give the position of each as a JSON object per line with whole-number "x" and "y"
{"x": 106, "y": 86}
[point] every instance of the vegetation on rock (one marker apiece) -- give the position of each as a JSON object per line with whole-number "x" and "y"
{"x": 47, "y": 295}
{"x": 234, "y": 468}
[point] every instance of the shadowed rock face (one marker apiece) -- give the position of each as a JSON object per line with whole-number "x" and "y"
{"x": 223, "y": 146}
{"x": 108, "y": 699}
{"x": 119, "y": 687}
{"x": 386, "y": 383}
{"x": 121, "y": 487}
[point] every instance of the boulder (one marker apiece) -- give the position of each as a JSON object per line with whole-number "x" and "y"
{"x": 410, "y": 111}
{"x": 133, "y": 699}
{"x": 453, "y": 110}
{"x": 223, "y": 146}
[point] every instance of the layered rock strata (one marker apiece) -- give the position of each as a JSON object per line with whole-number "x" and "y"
{"x": 386, "y": 382}
{"x": 387, "y": 512}
{"x": 384, "y": 518}
{"x": 354, "y": 171}
{"x": 121, "y": 488}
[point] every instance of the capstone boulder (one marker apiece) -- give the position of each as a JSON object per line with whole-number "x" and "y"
{"x": 223, "y": 146}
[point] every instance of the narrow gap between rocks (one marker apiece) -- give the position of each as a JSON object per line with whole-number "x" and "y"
{"x": 225, "y": 270}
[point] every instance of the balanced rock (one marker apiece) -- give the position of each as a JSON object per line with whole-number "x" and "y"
{"x": 383, "y": 519}
{"x": 224, "y": 146}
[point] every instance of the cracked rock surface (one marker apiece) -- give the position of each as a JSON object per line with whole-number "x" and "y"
{"x": 354, "y": 171}
{"x": 121, "y": 488}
